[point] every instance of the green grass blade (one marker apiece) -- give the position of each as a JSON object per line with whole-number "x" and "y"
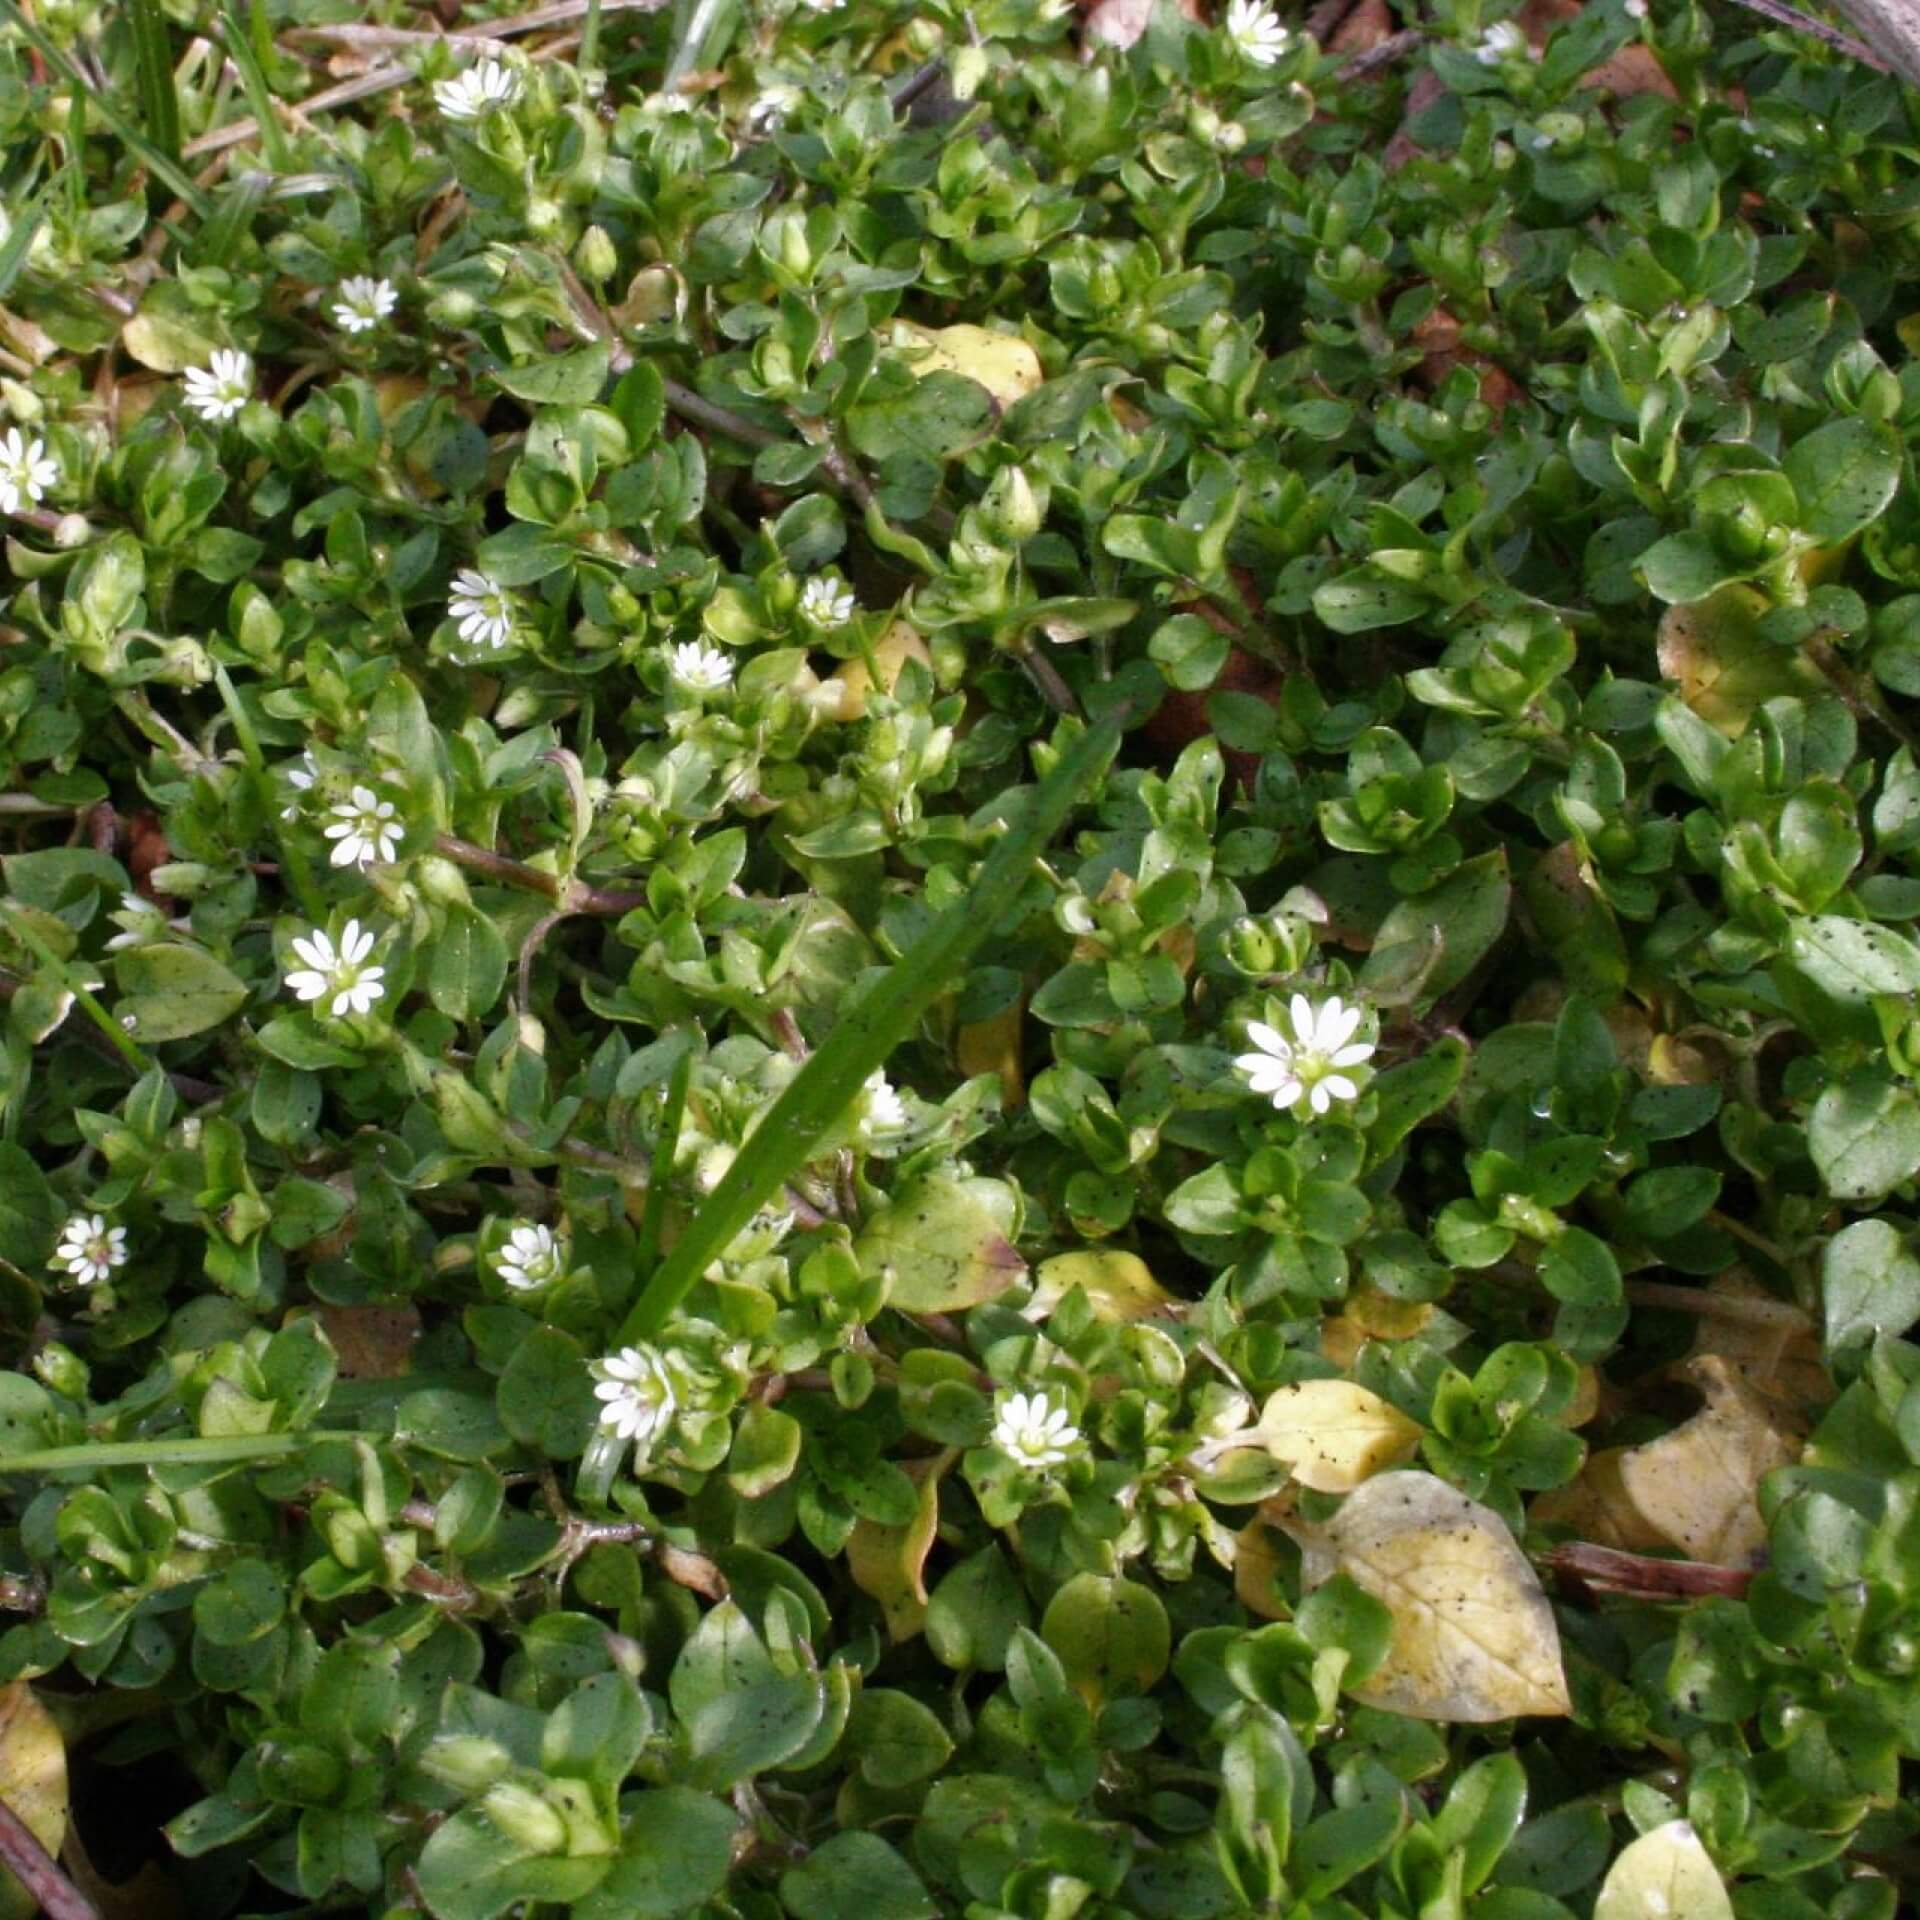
{"x": 168, "y": 1450}
{"x": 27, "y": 222}
{"x": 253, "y": 76}
{"x": 653, "y": 1216}
{"x": 157, "y": 163}
{"x": 868, "y": 1032}
{"x": 153, "y": 61}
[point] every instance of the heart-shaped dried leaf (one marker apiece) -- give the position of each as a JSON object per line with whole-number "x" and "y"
{"x": 1473, "y": 1636}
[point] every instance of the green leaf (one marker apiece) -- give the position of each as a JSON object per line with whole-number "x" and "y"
{"x": 545, "y": 1397}
{"x": 1855, "y": 959}
{"x": 1448, "y": 930}
{"x": 567, "y": 380}
{"x": 675, "y": 1848}
{"x": 941, "y": 414}
{"x": 471, "y": 1870}
{"x": 973, "y": 1612}
{"x": 855, "y": 1874}
{"x": 1864, "y": 1135}
{"x": 1870, "y": 1283}
{"x": 1845, "y": 475}
{"x": 941, "y": 1245}
{"x": 1111, "y": 1636}
{"x": 170, "y": 992}
{"x": 29, "y": 1213}
{"x": 467, "y": 965}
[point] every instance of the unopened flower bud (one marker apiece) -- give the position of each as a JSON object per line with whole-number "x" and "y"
{"x": 596, "y": 256}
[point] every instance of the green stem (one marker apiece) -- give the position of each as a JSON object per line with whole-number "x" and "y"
{"x": 177, "y": 1450}
{"x": 94, "y": 1011}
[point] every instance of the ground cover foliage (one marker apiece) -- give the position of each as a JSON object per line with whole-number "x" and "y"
{"x": 959, "y": 962}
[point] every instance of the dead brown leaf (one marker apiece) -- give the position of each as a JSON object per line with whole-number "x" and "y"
{"x": 33, "y": 1782}
{"x": 372, "y": 1342}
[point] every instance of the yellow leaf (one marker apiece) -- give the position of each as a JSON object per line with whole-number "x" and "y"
{"x": 33, "y": 1782}
{"x": 1335, "y": 1435}
{"x": 1003, "y": 363}
{"x": 1473, "y": 1636}
{"x": 1697, "y": 1485}
{"x": 1119, "y": 1286}
{"x": 1258, "y": 1561}
{"x": 889, "y": 1563}
{"x": 992, "y": 1046}
{"x": 1595, "y": 1506}
{"x": 854, "y": 678}
{"x": 1664, "y": 1875}
{"x": 1722, "y": 667}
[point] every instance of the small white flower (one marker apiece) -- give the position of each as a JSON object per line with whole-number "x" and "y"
{"x": 771, "y": 105}
{"x": 531, "y": 1258}
{"x": 142, "y": 920}
{"x": 301, "y": 775}
{"x": 700, "y": 668}
{"x": 365, "y": 828}
{"x": 474, "y": 94}
{"x": 1501, "y": 41}
{"x": 25, "y": 471}
{"x": 826, "y": 602}
{"x": 636, "y": 1397}
{"x": 344, "y": 974}
{"x": 363, "y": 303}
{"x": 1257, "y": 32}
{"x": 882, "y": 1109}
{"x": 1634, "y": 9}
{"x": 1311, "y": 1062}
{"x": 219, "y": 390}
{"x": 1030, "y": 1428}
{"x": 482, "y": 608}
{"x": 89, "y": 1249}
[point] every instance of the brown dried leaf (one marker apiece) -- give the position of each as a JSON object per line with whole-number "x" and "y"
{"x": 1697, "y": 1485}
{"x": 372, "y": 1342}
{"x": 1780, "y": 1361}
{"x": 1596, "y": 1507}
{"x": 1474, "y": 1637}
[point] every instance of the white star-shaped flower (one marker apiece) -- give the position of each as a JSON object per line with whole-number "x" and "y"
{"x": 1257, "y": 32}
{"x": 826, "y": 601}
{"x": 301, "y": 775}
{"x": 142, "y": 920}
{"x": 1032, "y": 1429}
{"x": 343, "y": 974}
{"x": 1311, "y": 1062}
{"x": 482, "y": 609}
{"x": 1634, "y": 9}
{"x": 220, "y": 389}
{"x": 25, "y": 471}
{"x": 771, "y": 105}
{"x": 882, "y": 1109}
{"x": 364, "y": 828}
{"x": 700, "y": 668}
{"x": 531, "y": 1258}
{"x": 637, "y": 1400}
{"x": 89, "y": 1249}
{"x": 363, "y": 303}
{"x": 1501, "y": 41}
{"x": 475, "y": 93}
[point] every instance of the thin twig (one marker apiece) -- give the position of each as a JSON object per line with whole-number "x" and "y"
{"x": 1785, "y": 16}
{"x": 571, "y": 896}
{"x": 1358, "y": 65}
{"x": 1743, "y": 1307}
{"x": 903, "y": 93}
{"x": 57, "y": 1897}
{"x": 1325, "y": 20}
{"x": 1644, "y": 1577}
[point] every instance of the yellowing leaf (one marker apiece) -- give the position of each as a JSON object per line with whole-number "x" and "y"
{"x": 33, "y": 1782}
{"x": 1257, "y": 1564}
{"x": 853, "y": 680}
{"x": 1664, "y": 1875}
{"x": 1119, "y": 1286}
{"x": 1722, "y": 667}
{"x": 1596, "y": 1507}
{"x": 1696, "y": 1486}
{"x": 943, "y": 1244}
{"x": 889, "y": 1563}
{"x": 1335, "y": 1435}
{"x": 1473, "y": 1636}
{"x": 1003, "y": 363}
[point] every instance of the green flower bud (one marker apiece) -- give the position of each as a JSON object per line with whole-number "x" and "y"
{"x": 596, "y": 256}
{"x": 522, "y": 1815}
{"x": 1012, "y": 508}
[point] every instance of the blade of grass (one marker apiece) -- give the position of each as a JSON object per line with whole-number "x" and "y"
{"x": 153, "y": 65}
{"x": 157, "y": 163}
{"x": 653, "y": 1216}
{"x": 171, "y": 1450}
{"x": 253, "y": 76}
{"x": 868, "y": 1032}
{"x": 27, "y": 223}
